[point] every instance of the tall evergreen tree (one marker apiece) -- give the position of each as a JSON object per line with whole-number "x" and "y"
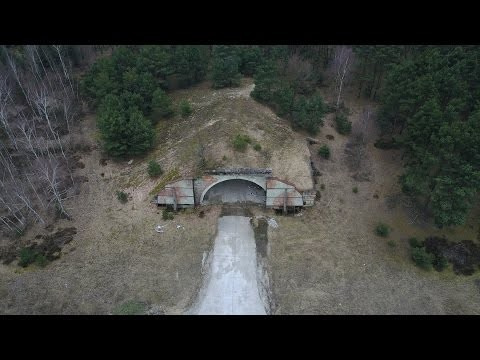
{"x": 225, "y": 66}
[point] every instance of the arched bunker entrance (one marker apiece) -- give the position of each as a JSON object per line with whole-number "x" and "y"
{"x": 234, "y": 191}
{"x": 242, "y": 185}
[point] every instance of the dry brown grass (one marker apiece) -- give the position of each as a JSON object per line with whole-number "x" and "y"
{"x": 327, "y": 261}
{"x": 116, "y": 255}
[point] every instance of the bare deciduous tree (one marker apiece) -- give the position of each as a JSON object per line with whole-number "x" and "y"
{"x": 300, "y": 72}
{"x": 340, "y": 69}
{"x": 38, "y": 108}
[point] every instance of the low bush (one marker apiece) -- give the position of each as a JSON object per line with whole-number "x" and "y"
{"x": 322, "y": 187}
{"x": 421, "y": 258}
{"x": 185, "y": 108}
{"x": 240, "y": 142}
{"x": 41, "y": 260}
{"x": 382, "y": 230}
{"x": 324, "y": 151}
{"x": 122, "y": 196}
{"x": 391, "y": 243}
{"x": 167, "y": 215}
{"x": 29, "y": 256}
{"x": 440, "y": 263}
{"x": 387, "y": 144}
{"x": 154, "y": 169}
{"x": 343, "y": 126}
{"x": 355, "y": 189}
{"x": 414, "y": 242}
{"x": 257, "y": 147}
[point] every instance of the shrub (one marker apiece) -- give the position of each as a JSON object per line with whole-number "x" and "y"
{"x": 27, "y": 256}
{"x": 257, "y": 147}
{"x": 167, "y": 214}
{"x": 154, "y": 169}
{"x": 322, "y": 187}
{"x": 41, "y": 260}
{"x": 284, "y": 99}
{"x": 382, "y": 230}
{"x": 355, "y": 189}
{"x": 162, "y": 103}
{"x": 308, "y": 113}
{"x": 387, "y": 144}
{"x": 240, "y": 142}
{"x": 343, "y": 126}
{"x": 440, "y": 263}
{"x": 324, "y": 151}
{"x": 391, "y": 243}
{"x": 415, "y": 243}
{"x": 122, "y": 197}
{"x": 421, "y": 258}
{"x": 185, "y": 108}
{"x": 318, "y": 195}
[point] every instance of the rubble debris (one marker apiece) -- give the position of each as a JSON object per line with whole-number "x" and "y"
{"x": 272, "y": 223}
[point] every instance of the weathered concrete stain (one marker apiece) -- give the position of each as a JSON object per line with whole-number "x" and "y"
{"x": 192, "y": 192}
{"x": 231, "y": 285}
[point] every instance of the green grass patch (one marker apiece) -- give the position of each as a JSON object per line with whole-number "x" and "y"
{"x": 130, "y": 308}
{"x": 167, "y": 214}
{"x": 171, "y": 175}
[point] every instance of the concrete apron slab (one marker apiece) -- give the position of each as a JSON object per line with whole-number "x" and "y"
{"x": 231, "y": 287}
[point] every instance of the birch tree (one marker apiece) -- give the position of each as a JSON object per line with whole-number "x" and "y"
{"x": 341, "y": 69}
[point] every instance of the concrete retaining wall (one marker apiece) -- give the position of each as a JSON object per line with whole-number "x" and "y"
{"x": 190, "y": 192}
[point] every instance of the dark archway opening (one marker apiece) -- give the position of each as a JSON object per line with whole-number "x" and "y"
{"x": 235, "y": 191}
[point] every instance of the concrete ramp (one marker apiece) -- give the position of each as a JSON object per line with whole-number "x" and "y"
{"x": 231, "y": 286}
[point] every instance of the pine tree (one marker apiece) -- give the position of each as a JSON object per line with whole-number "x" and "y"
{"x": 225, "y": 67}
{"x": 123, "y": 131}
{"x": 162, "y": 104}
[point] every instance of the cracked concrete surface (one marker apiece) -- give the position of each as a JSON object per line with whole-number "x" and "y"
{"x": 231, "y": 286}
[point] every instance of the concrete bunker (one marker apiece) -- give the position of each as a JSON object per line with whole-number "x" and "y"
{"x": 242, "y": 185}
{"x": 230, "y": 191}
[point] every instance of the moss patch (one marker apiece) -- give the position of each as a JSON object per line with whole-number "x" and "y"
{"x": 168, "y": 177}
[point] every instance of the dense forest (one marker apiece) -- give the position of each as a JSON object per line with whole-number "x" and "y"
{"x": 428, "y": 98}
